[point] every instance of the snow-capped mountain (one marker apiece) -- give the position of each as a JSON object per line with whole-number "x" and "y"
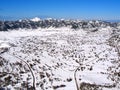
{"x": 58, "y": 57}
{"x": 36, "y": 19}
{"x": 55, "y": 23}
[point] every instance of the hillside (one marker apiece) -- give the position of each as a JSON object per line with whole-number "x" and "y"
{"x": 60, "y": 58}
{"x": 36, "y": 23}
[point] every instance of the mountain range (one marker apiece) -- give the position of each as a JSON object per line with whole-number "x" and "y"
{"x": 55, "y": 23}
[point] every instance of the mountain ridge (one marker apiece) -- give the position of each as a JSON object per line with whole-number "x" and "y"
{"x": 56, "y": 23}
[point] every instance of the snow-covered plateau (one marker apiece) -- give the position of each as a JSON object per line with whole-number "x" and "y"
{"x": 60, "y": 59}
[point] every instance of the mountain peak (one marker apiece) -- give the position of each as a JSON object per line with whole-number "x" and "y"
{"x": 36, "y": 19}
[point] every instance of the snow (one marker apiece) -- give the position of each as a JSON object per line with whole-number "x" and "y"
{"x": 55, "y": 52}
{"x": 10, "y": 87}
{"x": 36, "y": 19}
{"x": 4, "y": 44}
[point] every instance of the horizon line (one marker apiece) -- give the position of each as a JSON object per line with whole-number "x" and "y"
{"x": 12, "y": 18}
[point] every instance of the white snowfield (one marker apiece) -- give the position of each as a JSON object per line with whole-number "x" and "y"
{"x": 4, "y": 44}
{"x": 36, "y": 19}
{"x": 47, "y": 59}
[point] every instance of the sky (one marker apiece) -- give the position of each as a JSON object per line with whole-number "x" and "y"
{"x": 69, "y": 9}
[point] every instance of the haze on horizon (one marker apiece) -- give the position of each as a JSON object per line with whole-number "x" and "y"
{"x": 68, "y": 9}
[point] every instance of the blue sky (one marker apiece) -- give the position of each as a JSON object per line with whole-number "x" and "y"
{"x": 75, "y": 9}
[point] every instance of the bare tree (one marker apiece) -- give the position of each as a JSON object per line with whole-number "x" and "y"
{"x": 34, "y": 81}
{"x": 82, "y": 58}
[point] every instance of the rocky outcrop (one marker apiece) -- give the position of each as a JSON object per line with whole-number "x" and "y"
{"x": 46, "y": 23}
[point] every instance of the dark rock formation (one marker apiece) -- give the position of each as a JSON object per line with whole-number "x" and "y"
{"x": 74, "y": 24}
